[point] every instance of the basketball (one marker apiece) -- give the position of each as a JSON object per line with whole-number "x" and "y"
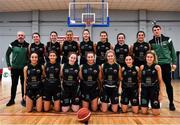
{"x": 83, "y": 115}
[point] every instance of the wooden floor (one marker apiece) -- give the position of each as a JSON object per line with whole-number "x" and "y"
{"x": 16, "y": 114}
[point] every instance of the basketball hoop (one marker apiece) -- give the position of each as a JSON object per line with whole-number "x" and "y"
{"x": 88, "y": 23}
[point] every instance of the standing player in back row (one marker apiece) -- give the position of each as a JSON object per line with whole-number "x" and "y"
{"x": 69, "y": 45}
{"x": 163, "y": 46}
{"x": 54, "y": 45}
{"x": 37, "y": 47}
{"x": 86, "y": 46}
{"x": 121, "y": 49}
{"x": 139, "y": 49}
{"x": 102, "y": 46}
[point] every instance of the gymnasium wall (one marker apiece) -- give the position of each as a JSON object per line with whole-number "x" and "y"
{"x": 44, "y": 22}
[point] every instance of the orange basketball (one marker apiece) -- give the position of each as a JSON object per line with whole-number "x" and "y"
{"x": 83, "y": 115}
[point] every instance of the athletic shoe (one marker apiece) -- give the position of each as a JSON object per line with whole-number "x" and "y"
{"x": 11, "y": 102}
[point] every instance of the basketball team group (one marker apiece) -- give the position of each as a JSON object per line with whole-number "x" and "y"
{"x": 106, "y": 78}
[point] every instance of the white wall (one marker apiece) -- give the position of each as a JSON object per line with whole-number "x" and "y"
{"x": 44, "y": 22}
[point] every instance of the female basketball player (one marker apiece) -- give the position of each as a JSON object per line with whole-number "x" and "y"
{"x": 111, "y": 73}
{"x": 37, "y": 47}
{"x": 151, "y": 84}
{"x": 54, "y": 45}
{"x": 52, "y": 84}
{"x": 130, "y": 85}
{"x": 90, "y": 76}
{"x": 33, "y": 73}
{"x": 70, "y": 84}
{"x": 102, "y": 46}
{"x": 85, "y": 46}
{"x": 69, "y": 46}
{"x": 139, "y": 49}
{"x": 121, "y": 49}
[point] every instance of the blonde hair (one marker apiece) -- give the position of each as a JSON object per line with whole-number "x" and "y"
{"x": 152, "y": 52}
{"x": 110, "y": 51}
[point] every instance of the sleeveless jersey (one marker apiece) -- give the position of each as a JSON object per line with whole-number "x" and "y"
{"x": 121, "y": 52}
{"x": 70, "y": 74}
{"x": 52, "y": 73}
{"x": 90, "y": 74}
{"x": 149, "y": 75}
{"x": 130, "y": 77}
{"x": 110, "y": 74}
{"x": 86, "y": 47}
{"x": 101, "y": 49}
{"x": 39, "y": 49}
{"x": 139, "y": 50}
{"x": 34, "y": 74}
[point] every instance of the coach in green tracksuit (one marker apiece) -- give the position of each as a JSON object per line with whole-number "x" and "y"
{"x": 166, "y": 55}
{"x": 19, "y": 50}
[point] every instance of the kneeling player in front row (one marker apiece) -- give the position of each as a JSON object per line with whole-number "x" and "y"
{"x": 130, "y": 85}
{"x": 151, "y": 84}
{"x": 70, "y": 86}
{"x": 90, "y": 82}
{"x": 52, "y": 84}
{"x": 111, "y": 77}
{"x": 32, "y": 83}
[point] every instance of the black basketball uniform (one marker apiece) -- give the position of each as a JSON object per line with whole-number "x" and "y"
{"x": 70, "y": 85}
{"x": 67, "y": 48}
{"x": 150, "y": 87}
{"x": 110, "y": 83}
{"x": 121, "y": 51}
{"x": 101, "y": 49}
{"x": 52, "y": 84}
{"x": 89, "y": 83}
{"x": 130, "y": 86}
{"x": 84, "y": 48}
{"x": 139, "y": 51}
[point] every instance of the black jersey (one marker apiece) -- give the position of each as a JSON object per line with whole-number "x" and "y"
{"x": 121, "y": 51}
{"x": 34, "y": 76}
{"x": 111, "y": 74}
{"x": 149, "y": 75}
{"x": 85, "y": 47}
{"x": 139, "y": 51}
{"x": 55, "y": 47}
{"x": 130, "y": 77}
{"x": 40, "y": 50}
{"x": 67, "y": 48}
{"x": 101, "y": 49}
{"x": 52, "y": 73}
{"x": 70, "y": 74}
{"x": 90, "y": 74}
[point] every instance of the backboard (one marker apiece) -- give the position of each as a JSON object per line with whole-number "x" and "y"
{"x": 82, "y": 14}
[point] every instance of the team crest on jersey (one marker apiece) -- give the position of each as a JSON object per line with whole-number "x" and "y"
{"x": 32, "y": 49}
{"x": 117, "y": 50}
{"x": 85, "y": 70}
{"x": 115, "y": 70}
{"x": 145, "y": 47}
{"x": 153, "y": 72}
{"x": 107, "y": 48}
{"x": 65, "y": 47}
{"x": 125, "y": 50}
{"x": 76, "y": 71}
{"x": 41, "y": 49}
{"x": 125, "y": 73}
{"x": 56, "y": 69}
{"x": 66, "y": 70}
{"x": 74, "y": 47}
{"x": 38, "y": 71}
{"x": 95, "y": 71}
{"x": 134, "y": 72}
{"x": 82, "y": 47}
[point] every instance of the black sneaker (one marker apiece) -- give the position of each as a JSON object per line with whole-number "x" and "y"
{"x": 23, "y": 103}
{"x": 11, "y": 102}
{"x": 172, "y": 107}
